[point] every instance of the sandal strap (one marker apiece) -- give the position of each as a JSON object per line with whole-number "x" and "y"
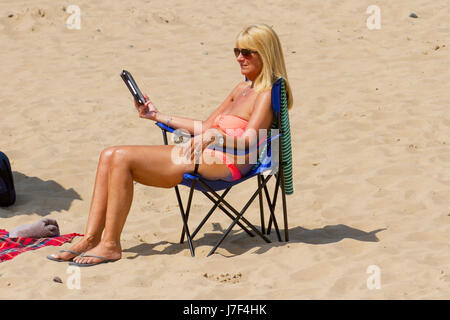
{"x": 70, "y": 251}
{"x": 84, "y": 255}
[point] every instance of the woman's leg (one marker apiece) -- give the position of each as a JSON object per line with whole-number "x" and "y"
{"x": 97, "y": 212}
{"x": 148, "y": 165}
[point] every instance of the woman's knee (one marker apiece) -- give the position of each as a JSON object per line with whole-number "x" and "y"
{"x": 106, "y": 154}
{"x": 111, "y": 156}
{"x": 120, "y": 156}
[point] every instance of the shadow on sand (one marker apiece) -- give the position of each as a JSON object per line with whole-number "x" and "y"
{"x": 238, "y": 242}
{"x": 37, "y": 196}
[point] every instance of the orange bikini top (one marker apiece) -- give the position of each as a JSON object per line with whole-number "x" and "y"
{"x": 230, "y": 124}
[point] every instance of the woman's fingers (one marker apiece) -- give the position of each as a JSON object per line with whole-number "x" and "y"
{"x": 196, "y": 149}
{"x": 150, "y": 106}
{"x": 142, "y": 111}
{"x": 193, "y": 147}
{"x": 146, "y": 110}
{"x": 187, "y": 149}
{"x": 136, "y": 104}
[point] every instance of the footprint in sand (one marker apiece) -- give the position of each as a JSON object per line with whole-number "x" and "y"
{"x": 165, "y": 17}
{"x": 224, "y": 277}
{"x": 30, "y": 19}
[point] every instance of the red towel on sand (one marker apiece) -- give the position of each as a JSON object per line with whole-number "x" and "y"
{"x": 11, "y": 247}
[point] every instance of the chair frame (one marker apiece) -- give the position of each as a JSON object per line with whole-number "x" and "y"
{"x": 221, "y": 203}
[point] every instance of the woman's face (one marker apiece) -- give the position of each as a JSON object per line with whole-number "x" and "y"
{"x": 251, "y": 65}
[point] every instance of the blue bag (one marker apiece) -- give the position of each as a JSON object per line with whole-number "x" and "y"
{"x": 7, "y": 191}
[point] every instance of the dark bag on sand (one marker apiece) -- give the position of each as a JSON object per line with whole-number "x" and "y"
{"x": 7, "y": 191}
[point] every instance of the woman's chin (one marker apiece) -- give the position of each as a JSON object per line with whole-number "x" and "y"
{"x": 244, "y": 72}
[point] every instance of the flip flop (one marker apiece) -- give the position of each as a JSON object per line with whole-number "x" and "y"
{"x": 50, "y": 257}
{"x": 104, "y": 260}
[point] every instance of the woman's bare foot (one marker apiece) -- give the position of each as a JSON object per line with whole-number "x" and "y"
{"x": 86, "y": 243}
{"x": 108, "y": 250}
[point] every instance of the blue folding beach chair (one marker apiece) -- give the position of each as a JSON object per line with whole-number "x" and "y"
{"x": 269, "y": 164}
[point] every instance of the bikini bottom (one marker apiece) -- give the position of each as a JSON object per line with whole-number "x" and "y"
{"x": 226, "y": 160}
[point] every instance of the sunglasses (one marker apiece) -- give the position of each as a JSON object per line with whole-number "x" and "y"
{"x": 245, "y": 52}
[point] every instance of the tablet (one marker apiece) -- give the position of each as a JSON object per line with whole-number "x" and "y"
{"x": 132, "y": 86}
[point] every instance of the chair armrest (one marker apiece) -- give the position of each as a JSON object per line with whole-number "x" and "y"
{"x": 244, "y": 152}
{"x": 227, "y": 150}
{"x": 164, "y": 127}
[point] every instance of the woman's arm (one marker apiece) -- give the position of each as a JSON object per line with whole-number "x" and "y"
{"x": 186, "y": 123}
{"x": 149, "y": 111}
{"x": 179, "y": 122}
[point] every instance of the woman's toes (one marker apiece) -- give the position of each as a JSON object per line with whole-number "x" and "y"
{"x": 80, "y": 261}
{"x": 62, "y": 256}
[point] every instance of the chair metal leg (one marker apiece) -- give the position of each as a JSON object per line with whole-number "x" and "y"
{"x": 183, "y": 218}
{"x": 164, "y": 134}
{"x": 272, "y": 205}
{"x": 239, "y": 215}
{"x": 217, "y": 204}
{"x": 210, "y": 212}
{"x": 188, "y": 208}
{"x": 229, "y": 206}
{"x": 280, "y": 179}
{"x": 274, "y": 201}
{"x": 272, "y": 213}
{"x": 261, "y": 206}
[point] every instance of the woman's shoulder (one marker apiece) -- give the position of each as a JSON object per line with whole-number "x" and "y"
{"x": 263, "y": 100}
{"x": 265, "y": 94}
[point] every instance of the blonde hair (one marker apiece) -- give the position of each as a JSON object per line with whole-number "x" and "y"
{"x": 264, "y": 40}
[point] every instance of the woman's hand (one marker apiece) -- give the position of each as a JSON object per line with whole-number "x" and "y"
{"x": 148, "y": 110}
{"x": 200, "y": 143}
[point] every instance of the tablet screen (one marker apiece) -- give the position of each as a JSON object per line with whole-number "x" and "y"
{"x": 132, "y": 86}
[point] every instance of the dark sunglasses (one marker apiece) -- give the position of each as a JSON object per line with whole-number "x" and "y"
{"x": 245, "y": 52}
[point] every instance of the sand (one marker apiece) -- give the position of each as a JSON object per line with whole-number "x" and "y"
{"x": 370, "y": 215}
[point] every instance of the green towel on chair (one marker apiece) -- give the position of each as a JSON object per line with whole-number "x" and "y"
{"x": 286, "y": 142}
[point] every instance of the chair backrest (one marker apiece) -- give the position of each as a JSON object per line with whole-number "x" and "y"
{"x": 278, "y": 151}
{"x": 267, "y": 160}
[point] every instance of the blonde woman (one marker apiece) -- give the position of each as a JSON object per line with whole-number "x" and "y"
{"x": 244, "y": 111}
